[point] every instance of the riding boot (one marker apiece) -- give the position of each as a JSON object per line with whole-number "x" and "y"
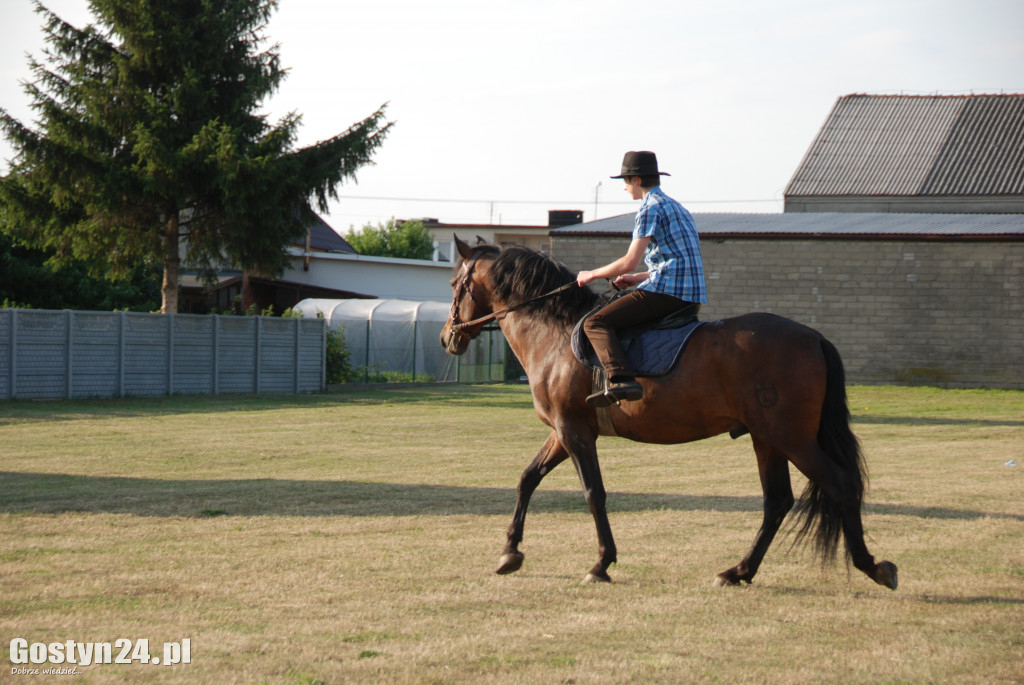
{"x": 602, "y": 327}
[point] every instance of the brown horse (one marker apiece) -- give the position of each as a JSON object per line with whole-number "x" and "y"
{"x": 776, "y": 379}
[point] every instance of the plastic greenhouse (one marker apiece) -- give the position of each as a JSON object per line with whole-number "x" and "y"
{"x": 401, "y": 340}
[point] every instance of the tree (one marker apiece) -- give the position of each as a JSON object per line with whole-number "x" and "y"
{"x": 149, "y": 144}
{"x": 408, "y": 239}
{"x": 26, "y": 280}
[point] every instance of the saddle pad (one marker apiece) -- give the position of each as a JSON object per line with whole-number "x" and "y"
{"x": 653, "y": 352}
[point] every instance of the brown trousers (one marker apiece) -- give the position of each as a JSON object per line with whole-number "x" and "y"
{"x": 633, "y": 309}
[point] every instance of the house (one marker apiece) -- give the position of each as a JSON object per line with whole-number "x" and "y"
{"x": 535, "y": 237}
{"x": 238, "y": 290}
{"x": 933, "y": 154}
{"x": 325, "y": 266}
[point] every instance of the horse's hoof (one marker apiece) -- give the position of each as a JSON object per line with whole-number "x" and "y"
{"x": 885, "y": 574}
{"x": 510, "y": 563}
{"x": 726, "y": 579}
{"x": 597, "y": 577}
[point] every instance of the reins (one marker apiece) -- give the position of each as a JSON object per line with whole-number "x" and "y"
{"x": 467, "y": 279}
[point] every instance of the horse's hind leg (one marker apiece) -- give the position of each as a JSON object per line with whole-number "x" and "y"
{"x": 778, "y": 500}
{"x": 551, "y": 455}
{"x": 837, "y": 503}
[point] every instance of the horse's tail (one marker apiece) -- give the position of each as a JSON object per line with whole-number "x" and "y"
{"x": 822, "y": 517}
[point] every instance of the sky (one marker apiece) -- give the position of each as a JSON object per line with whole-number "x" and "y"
{"x": 506, "y": 109}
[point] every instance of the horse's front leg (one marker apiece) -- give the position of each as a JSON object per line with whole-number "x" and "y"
{"x": 551, "y": 455}
{"x": 583, "y": 450}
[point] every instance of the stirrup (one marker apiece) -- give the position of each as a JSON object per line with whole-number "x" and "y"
{"x": 626, "y": 391}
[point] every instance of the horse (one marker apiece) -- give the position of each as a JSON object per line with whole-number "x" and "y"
{"x": 762, "y": 374}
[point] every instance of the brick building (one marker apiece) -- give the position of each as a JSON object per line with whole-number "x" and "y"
{"x": 921, "y": 299}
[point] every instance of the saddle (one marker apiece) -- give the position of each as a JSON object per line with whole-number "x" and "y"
{"x": 653, "y": 349}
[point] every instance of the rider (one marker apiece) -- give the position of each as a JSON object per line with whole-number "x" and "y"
{"x": 665, "y": 236}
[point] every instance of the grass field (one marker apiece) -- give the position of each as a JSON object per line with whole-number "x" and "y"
{"x": 352, "y": 537}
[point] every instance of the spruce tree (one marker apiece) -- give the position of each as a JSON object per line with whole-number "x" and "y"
{"x": 149, "y": 143}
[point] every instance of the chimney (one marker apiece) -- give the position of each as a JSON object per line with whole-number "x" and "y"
{"x": 564, "y": 217}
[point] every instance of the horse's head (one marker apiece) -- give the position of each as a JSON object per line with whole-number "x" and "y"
{"x": 471, "y": 297}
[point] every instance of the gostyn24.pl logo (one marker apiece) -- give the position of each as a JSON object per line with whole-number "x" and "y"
{"x": 70, "y": 654}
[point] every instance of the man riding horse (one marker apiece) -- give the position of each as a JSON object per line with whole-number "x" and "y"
{"x": 665, "y": 236}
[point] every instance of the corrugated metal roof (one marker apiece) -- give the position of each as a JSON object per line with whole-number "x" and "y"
{"x": 829, "y": 224}
{"x": 889, "y": 145}
{"x": 984, "y": 152}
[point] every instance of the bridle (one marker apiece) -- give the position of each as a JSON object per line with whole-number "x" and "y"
{"x": 466, "y": 284}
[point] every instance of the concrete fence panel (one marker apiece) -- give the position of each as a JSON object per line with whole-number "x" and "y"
{"x": 70, "y": 354}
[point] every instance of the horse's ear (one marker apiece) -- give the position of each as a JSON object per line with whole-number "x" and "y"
{"x": 465, "y": 251}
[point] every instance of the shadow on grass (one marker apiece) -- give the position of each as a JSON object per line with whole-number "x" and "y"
{"x": 439, "y": 395}
{"x": 55, "y": 493}
{"x": 58, "y": 493}
{"x": 951, "y": 600}
{"x": 965, "y": 601}
{"x": 935, "y": 421}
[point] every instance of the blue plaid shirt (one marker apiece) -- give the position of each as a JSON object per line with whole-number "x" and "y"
{"x": 673, "y": 255}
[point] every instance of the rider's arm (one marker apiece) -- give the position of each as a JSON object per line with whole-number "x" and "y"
{"x": 623, "y": 265}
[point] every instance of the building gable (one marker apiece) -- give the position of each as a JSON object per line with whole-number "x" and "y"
{"x": 914, "y": 153}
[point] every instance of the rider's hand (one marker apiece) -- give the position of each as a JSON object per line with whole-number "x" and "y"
{"x": 629, "y": 280}
{"x": 584, "y": 277}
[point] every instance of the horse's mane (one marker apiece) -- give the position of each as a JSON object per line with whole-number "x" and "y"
{"x": 519, "y": 273}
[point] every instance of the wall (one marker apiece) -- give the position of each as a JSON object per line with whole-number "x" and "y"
{"x": 940, "y": 313}
{"x": 69, "y": 354}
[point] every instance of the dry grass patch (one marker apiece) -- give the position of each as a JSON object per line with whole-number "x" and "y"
{"x": 352, "y": 538}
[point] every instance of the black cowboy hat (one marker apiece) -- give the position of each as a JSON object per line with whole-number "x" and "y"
{"x": 640, "y": 164}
